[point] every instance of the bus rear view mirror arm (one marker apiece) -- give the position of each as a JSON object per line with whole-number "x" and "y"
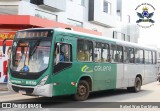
{"x": 4, "y": 44}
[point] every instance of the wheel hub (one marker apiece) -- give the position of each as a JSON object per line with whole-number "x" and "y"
{"x": 82, "y": 90}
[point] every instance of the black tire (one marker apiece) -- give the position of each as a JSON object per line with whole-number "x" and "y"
{"x": 137, "y": 85}
{"x": 82, "y": 91}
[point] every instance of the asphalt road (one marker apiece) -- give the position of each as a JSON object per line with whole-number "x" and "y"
{"x": 103, "y": 99}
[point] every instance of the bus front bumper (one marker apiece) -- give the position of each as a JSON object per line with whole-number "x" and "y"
{"x": 45, "y": 90}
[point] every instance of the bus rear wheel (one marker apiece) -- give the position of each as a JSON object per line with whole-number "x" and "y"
{"x": 137, "y": 85}
{"x": 82, "y": 91}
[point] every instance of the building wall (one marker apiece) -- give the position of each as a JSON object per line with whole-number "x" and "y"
{"x": 74, "y": 13}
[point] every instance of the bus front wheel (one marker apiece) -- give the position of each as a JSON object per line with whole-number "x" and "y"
{"x": 82, "y": 91}
{"x": 136, "y": 87}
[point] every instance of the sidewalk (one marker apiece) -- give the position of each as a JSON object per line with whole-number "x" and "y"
{"x": 11, "y": 96}
{"x": 6, "y": 95}
{"x": 3, "y": 87}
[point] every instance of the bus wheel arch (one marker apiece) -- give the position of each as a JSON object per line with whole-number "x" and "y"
{"x": 83, "y": 88}
{"x": 89, "y": 80}
{"x": 137, "y": 84}
{"x": 139, "y": 75}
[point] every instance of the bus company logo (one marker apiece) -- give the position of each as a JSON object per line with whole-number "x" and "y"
{"x": 86, "y": 69}
{"x": 145, "y": 12}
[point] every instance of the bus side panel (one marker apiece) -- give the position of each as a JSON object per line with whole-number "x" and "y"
{"x": 62, "y": 82}
{"x": 131, "y": 71}
{"x": 104, "y": 76}
{"x": 150, "y": 73}
{"x": 122, "y": 80}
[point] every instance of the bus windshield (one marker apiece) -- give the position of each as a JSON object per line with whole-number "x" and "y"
{"x": 30, "y": 55}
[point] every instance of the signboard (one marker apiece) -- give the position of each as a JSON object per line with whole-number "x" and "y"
{"x": 4, "y": 65}
{"x": 7, "y": 35}
{"x": 4, "y": 57}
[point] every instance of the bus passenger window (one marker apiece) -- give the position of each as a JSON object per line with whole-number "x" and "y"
{"x": 139, "y": 56}
{"x": 128, "y": 55}
{"x": 105, "y": 53}
{"x": 116, "y": 53}
{"x": 97, "y": 52}
{"x": 85, "y": 49}
{"x": 148, "y": 57}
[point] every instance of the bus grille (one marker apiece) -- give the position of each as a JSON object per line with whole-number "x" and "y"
{"x": 28, "y": 90}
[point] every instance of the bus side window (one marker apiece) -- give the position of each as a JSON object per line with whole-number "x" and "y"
{"x": 98, "y": 52}
{"x": 84, "y": 50}
{"x": 105, "y": 53}
{"x": 128, "y": 55}
{"x": 139, "y": 56}
{"x": 116, "y": 53}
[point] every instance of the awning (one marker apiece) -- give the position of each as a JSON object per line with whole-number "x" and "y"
{"x": 16, "y": 22}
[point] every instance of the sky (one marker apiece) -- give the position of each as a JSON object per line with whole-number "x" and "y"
{"x": 151, "y": 35}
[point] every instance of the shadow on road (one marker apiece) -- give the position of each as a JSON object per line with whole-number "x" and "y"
{"x": 120, "y": 94}
{"x": 92, "y": 102}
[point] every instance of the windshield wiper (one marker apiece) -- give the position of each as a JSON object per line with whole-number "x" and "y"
{"x": 34, "y": 48}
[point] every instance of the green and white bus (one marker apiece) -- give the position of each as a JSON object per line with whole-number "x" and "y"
{"x": 53, "y": 62}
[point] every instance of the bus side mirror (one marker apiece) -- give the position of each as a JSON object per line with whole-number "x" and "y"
{"x": 4, "y": 47}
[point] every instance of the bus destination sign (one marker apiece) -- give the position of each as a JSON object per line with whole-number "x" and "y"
{"x": 30, "y": 34}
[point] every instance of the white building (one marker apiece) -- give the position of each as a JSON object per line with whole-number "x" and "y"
{"x": 105, "y": 16}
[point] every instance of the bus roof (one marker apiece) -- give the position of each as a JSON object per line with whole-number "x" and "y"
{"x": 91, "y": 36}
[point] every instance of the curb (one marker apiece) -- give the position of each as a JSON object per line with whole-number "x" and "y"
{"x": 3, "y": 89}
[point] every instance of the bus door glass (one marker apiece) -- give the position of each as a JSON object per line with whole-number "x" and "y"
{"x": 62, "y": 56}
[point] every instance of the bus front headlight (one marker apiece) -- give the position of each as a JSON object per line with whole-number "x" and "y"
{"x": 43, "y": 81}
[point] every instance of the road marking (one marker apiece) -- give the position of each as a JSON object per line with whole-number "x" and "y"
{"x": 13, "y": 97}
{"x": 2, "y": 92}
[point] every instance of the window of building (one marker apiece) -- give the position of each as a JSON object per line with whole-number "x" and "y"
{"x": 37, "y": 2}
{"x": 74, "y": 22}
{"x": 8, "y": 9}
{"x": 114, "y": 35}
{"x": 139, "y": 58}
{"x": 79, "y": 2}
{"x": 128, "y": 55}
{"x": 82, "y": 2}
{"x": 119, "y": 35}
{"x": 154, "y": 57}
{"x": 84, "y": 49}
{"x": 106, "y": 7}
{"x": 45, "y": 15}
{"x": 128, "y": 38}
{"x": 128, "y": 18}
{"x": 122, "y": 36}
{"x": 116, "y": 53}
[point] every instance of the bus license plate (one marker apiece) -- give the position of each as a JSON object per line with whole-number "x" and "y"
{"x": 22, "y": 92}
